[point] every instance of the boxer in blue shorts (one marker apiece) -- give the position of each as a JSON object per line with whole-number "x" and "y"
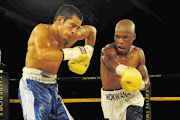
{"x": 48, "y": 45}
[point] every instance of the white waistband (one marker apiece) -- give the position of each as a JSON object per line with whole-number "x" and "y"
{"x": 39, "y": 75}
{"x": 113, "y": 95}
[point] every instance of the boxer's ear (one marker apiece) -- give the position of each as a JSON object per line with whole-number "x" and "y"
{"x": 134, "y": 36}
{"x": 60, "y": 19}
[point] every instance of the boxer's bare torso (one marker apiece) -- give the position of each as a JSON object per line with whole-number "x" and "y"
{"x": 45, "y": 44}
{"x": 48, "y": 46}
{"x": 134, "y": 58}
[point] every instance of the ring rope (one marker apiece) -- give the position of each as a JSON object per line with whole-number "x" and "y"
{"x": 98, "y": 99}
{"x": 163, "y": 76}
{"x": 82, "y": 100}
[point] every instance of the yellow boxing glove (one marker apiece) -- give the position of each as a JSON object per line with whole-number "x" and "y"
{"x": 131, "y": 79}
{"x": 81, "y": 64}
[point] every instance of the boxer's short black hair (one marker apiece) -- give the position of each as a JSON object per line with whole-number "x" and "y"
{"x": 67, "y": 11}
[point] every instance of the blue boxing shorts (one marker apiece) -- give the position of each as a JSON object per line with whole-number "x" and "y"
{"x": 38, "y": 94}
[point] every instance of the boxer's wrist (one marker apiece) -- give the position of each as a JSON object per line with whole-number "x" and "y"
{"x": 120, "y": 68}
{"x": 89, "y": 49}
{"x": 70, "y": 53}
{"x": 142, "y": 85}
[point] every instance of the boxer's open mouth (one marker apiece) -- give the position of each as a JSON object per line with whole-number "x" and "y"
{"x": 121, "y": 47}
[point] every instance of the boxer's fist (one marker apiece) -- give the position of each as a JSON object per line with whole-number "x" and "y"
{"x": 131, "y": 79}
{"x": 80, "y": 65}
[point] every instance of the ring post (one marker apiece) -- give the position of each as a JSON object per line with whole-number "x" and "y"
{"x": 4, "y": 96}
{"x": 148, "y": 104}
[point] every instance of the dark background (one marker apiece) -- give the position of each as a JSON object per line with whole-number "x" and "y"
{"x": 157, "y": 30}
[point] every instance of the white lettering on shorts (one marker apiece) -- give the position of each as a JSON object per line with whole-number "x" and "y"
{"x": 117, "y": 96}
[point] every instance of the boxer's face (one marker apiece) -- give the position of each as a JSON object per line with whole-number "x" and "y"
{"x": 123, "y": 40}
{"x": 69, "y": 27}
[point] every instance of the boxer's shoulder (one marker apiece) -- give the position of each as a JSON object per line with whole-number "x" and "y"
{"x": 136, "y": 50}
{"x": 109, "y": 49}
{"x": 41, "y": 28}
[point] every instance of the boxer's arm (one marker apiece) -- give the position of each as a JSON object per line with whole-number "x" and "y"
{"x": 81, "y": 63}
{"x": 143, "y": 70}
{"x": 108, "y": 57}
{"x": 88, "y": 33}
{"x": 42, "y": 45}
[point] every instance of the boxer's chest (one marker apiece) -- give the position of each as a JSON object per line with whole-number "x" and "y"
{"x": 130, "y": 60}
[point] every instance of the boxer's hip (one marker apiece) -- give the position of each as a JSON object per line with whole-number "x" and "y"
{"x": 115, "y": 103}
{"x": 134, "y": 97}
{"x": 39, "y": 75}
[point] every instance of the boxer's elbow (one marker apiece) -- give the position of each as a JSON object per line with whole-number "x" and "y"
{"x": 41, "y": 56}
